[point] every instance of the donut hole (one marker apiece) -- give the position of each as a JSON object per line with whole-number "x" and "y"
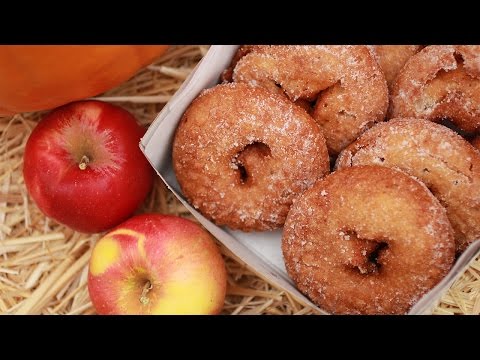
{"x": 369, "y": 260}
{"x": 364, "y": 256}
{"x": 375, "y": 255}
{"x": 250, "y": 160}
{"x": 243, "y": 173}
{"x": 458, "y": 58}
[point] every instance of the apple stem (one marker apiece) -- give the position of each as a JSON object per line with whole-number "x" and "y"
{"x": 146, "y": 288}
{"x": 83, "y": 162}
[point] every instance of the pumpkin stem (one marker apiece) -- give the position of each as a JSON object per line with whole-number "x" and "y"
{"x": 84, "y": 162}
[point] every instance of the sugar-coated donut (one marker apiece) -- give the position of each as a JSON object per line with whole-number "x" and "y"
{"x": 447, "y": 164}
{"x": 241, "y": 154}
{"x": 440, "y": 82}
{"x": 345, "y": 85}
{"x": 367, "y": 240}
{"x": 392, "y": 58}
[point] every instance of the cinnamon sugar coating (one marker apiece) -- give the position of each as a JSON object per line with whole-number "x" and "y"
{"x": 343, "y": 84}
{"x": 440, "y": 82}
{"x": 242, "y": 154}
{"x": 367, "y": 240}
{"x": 447, "y": 164}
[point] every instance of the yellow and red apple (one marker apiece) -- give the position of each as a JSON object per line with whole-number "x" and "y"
{"x": 157, "y": 264}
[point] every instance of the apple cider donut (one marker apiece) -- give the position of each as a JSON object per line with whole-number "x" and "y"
{"x": 392, "y": 58}
{"x": 440, "y": 82}
{"x": 344, "y": 84}
{"x": 367, "y": 240}
{"x": 447, "y": 164}
{"x": 241, "y": 154}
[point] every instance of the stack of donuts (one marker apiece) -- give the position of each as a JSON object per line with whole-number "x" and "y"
{"x": 361, "y": 154}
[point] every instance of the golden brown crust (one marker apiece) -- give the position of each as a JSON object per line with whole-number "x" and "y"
{"x": 440, "y": 82}
{"x": 443, "y": 160}
{"x": 345, "y": 82}
{"x": 241, "y": 154}
{"x": 392, "y": 58}
{"x": 336, "y": 230}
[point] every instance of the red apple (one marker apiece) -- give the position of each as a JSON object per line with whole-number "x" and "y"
{"x": 157, "y": 264}
{"x": 83, "y": 166}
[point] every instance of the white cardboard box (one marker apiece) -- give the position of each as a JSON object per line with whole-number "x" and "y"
{"x": 261, "y": 251}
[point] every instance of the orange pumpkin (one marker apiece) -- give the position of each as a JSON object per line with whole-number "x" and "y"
{"x": 40, "y": 77}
